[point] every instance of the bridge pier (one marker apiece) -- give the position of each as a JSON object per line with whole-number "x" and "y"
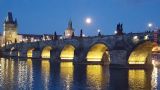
{"x": 118, "y": 58}
{"x": 79, "y": 56}
{"x": 23, "y": 53}
{"x": 36, "y": 54}
{"x": 55, "y": 56}
{"x": 79, "y": 60}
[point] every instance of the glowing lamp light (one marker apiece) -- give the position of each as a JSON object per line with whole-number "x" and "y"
{"x": 83, "y": 35}
{"x": 135, "y": 39}
{"x": 98, "y": 30}
{"x": 68, "y": 34}
{"x": 88, "y": 20}
{"x": 146, "y": 37}
{"x": 61, "y": 37}
{"x": 115, "y": 32}
{"x": 150, "y": 25}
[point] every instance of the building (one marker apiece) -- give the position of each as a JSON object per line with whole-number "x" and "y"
{"x": 10, "y": 30}
{"x": 69, "y": 32}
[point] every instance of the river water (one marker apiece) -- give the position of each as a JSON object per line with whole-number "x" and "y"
{"x": 43, "y": 75}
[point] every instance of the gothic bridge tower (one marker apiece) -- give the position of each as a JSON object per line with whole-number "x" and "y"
{"x": 10, "y": 30}
{"x": 69, "y": 32}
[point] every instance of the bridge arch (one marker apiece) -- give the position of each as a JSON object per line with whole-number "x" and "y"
{"x": 98, "y": 52}
{"x": 67, "y": 53}
{"x": 30, "y": 52}
{"x": 141, "y": 53}
{"x": 46, "y": 52}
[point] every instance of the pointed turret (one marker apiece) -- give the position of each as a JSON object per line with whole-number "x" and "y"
{"x": 70, "y": 25}
{"x": 9, "y": 19}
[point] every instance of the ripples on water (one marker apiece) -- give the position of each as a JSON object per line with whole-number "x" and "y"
{"x": 41, "y": 75}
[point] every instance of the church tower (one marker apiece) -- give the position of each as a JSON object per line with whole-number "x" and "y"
{"x": 69, "y": 31}
{"x": 10, "y": 30}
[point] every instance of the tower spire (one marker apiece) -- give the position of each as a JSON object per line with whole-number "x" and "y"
{"x": 70, "y": 24}
{"x": 9, "y": 18}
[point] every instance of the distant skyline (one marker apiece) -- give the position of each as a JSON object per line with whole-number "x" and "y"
{"x": 48, "y": 16}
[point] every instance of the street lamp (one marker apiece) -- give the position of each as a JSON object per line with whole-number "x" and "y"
{"x": 115, "y": 32}
{"x": 150, "y": 25}
{"x": 155, "y": 33}
{"x": 135, "y": 39}
{"x": 83, "y": 35}
{"x": 99, "y": 32}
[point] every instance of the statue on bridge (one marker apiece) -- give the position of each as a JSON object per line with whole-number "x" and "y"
{"x": 119, "y": 29}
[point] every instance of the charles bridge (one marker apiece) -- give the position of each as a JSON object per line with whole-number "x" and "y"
{"x": 119, "y": 48}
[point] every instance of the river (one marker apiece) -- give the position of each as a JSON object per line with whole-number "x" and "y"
{"x": 43, "y": 75}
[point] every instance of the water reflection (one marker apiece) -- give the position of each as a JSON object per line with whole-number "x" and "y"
{"x": 97, "y": 76}
{"x": 140, "y": 79}
{"x": 43, "y": 75}
{"x": 118, "y": 79}
{"x": 67, "y": 74}
{"x": 154, "y": 78}
{"x": 45, "y": 65}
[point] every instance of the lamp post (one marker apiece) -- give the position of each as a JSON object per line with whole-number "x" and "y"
{"x": 155, "y": 33}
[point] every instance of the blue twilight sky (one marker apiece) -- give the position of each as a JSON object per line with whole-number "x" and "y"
{"x": 47, "y": 16}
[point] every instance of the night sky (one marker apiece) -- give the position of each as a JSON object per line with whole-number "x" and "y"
{"x": 47, "y": 16}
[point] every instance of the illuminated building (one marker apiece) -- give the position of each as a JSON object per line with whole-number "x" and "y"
{"x": 69, "y": 31}
{"x": 10, "y": 30}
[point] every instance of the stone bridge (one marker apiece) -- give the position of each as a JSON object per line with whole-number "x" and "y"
{"x": 123, "y": 50}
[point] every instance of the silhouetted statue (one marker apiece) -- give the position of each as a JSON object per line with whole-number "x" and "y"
{"x": 73, "y": 35}
{"x": 15, "y": 40}
{"x": 55, "y": 36}
{"x": 99, "y": 34}
{"x": 119, "y": 29}
{"x": 81, "y": 33}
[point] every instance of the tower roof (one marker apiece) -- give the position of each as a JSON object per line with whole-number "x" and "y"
{"x": 9, "y": 19}
{"x": 70, "y": 25}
